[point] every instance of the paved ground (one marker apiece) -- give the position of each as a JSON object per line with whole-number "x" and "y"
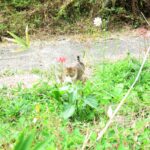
{"x": 44, "y": 53}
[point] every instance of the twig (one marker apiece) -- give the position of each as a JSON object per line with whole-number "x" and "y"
{"x": 88, "y": 135}
{"x": 145, "y": 19}
{"x": 101, "y": 133}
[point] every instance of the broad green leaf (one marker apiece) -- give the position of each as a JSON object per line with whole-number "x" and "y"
{"x": 56, "y": 94}
{"x": 27, "y": 143}
{"x": 74, "y": 95}
{"x": 91, "y": 101}
{"x": 24, "y": 143}
{"x": 19, "y": 143}
{"x": 68, "y": 112}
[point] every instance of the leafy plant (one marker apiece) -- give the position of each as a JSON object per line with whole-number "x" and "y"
{"x": 25, "y": 143}
{"x": 74, "y": 102}
{"x": 24, "y": 43}
{"x": 39, "y": 109}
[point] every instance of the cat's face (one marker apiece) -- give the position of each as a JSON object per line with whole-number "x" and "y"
{"x": 70, "y": 71}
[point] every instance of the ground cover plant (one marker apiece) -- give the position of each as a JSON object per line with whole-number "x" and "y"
{"x": 59, "y": 116}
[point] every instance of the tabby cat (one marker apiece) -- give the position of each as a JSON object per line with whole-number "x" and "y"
{"x": 75, "y": 72}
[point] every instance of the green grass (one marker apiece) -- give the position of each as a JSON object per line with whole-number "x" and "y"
{"x": 19, "y": 107}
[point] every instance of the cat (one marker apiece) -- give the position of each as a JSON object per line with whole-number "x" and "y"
{"x": 70, "y": 74}
{"x": 76, "y": 72}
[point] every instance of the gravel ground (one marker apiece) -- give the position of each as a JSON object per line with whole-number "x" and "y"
{"x": 42, "y": 54}
{"x": 25, "y": 80}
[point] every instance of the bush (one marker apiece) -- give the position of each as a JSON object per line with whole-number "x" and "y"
{"x": 59, "y": 16}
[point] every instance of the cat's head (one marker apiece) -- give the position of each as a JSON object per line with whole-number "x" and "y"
{"x": 70, "y": 71}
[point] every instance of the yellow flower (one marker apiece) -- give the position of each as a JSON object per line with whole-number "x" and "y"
{"x": 37, "y": 108}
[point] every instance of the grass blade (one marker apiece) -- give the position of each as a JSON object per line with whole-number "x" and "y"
{"x": 27, "y": 36}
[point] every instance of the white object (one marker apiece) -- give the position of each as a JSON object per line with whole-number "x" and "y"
{"x": 97, "y": 21}
{"x": 109, "y": 112}
{"x": 68, "y": 80}
{"x": 34, "y": 120}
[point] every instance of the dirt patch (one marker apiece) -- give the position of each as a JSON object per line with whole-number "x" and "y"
{"x": 26, "y": 80}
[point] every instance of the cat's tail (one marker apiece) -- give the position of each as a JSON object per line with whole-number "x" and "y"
{"x": 78, "y": 58}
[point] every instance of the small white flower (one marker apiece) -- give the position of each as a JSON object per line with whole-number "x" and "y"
{"x": 34, "y": 120}
{"x": 97, "y": 21}
{"x": 109, "y": 112}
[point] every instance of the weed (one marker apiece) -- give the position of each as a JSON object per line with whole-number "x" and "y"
{"x": 43, "y": 108}
{"x": 25, "y": 44}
